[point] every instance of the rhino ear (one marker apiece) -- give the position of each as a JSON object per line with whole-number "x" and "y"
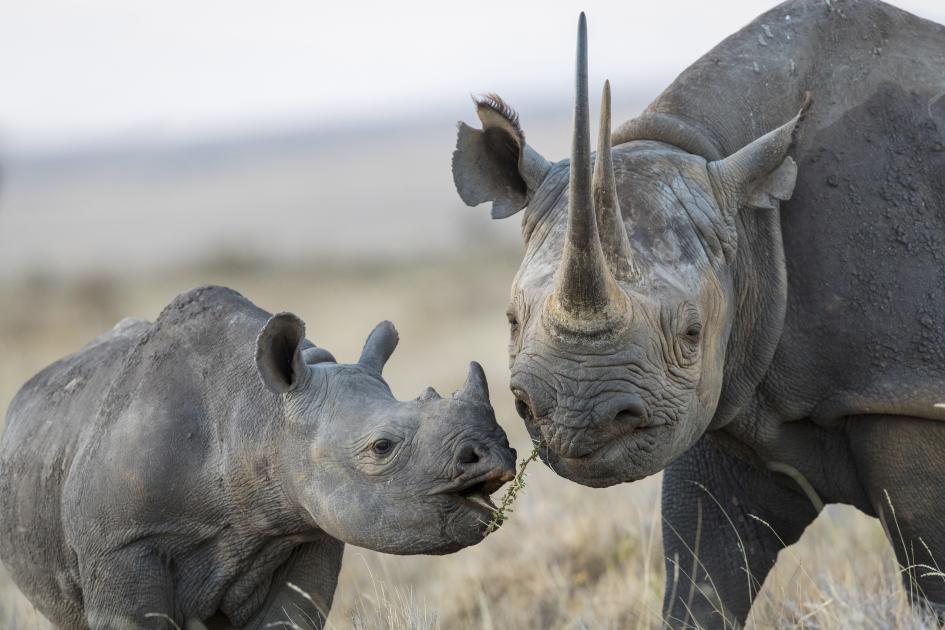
{"x": 494, "y": 163}
{"x": 279, "y": 353}
{"x": 761, "y": 174}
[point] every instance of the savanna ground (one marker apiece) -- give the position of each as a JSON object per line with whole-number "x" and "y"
{"x": 569, "y": 557}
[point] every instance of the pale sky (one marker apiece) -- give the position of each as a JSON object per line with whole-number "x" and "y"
{"x": 76, "y": 71}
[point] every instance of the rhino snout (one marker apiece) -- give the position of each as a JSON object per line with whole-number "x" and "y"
{"x": 478, "y": 457}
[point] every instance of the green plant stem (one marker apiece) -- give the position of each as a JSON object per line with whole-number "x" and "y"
{"x": 501, "y": 513}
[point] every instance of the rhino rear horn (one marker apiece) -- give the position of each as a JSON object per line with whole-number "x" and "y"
{"x": 613, "y": 233}
{"x": 379, "y": 346}
{"x": 476, "y": 389}
{"x": 429, "y": 394}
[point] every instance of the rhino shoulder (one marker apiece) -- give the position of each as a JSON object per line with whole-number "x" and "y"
{"x": 201, "y": 300}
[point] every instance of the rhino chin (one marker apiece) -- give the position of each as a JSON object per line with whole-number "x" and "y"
{"x": 465, "y": 532}
{"x": 624, "y": 459}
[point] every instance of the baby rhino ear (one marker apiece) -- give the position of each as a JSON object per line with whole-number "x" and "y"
{"x": 279, "y": 353}
{"x": 494, "y": 163}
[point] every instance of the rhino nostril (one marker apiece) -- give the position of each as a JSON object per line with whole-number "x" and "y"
{"x": 633, "y": 411}
{"x": 468, "y": 455}
{"x": 521, "y": 405}
{"x": 522, "y": 408}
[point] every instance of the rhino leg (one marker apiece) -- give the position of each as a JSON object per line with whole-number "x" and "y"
{"x": 716, "y": 550}
{"x": 899, "y": 460}
{"x": 128, "y": 589}
{"x": 312, "y": 571}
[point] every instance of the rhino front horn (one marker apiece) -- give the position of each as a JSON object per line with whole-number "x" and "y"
{"x": 586, "y": 297}
{"x": 476, "y": 388}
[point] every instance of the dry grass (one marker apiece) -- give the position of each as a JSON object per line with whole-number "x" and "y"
{"x": 569, "y": 556}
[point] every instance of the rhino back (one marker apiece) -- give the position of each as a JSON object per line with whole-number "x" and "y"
{"x": 139, "y": 436}
{"x": 843, "y": 52}
{"x": 176, "y": 451}
{"x": 180, "y": 400}
{"x": 44, "y": 424}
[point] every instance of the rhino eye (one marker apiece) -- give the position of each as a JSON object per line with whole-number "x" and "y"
{"x": 382, "y": 447}
{"x": 513, "y": 322}
{"x": 694, "y": 332}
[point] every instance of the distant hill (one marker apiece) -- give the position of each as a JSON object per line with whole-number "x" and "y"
{"x": 358, "y": 191}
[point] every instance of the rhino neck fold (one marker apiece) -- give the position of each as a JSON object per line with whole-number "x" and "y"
{"x": 759, "y": 280}
{"x": 258, "y": 474}
{"x": 672, "y": 129}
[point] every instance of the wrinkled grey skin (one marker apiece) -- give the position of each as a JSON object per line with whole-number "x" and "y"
{"x": 194, "y": 466}
{"x": 768, "y": 329}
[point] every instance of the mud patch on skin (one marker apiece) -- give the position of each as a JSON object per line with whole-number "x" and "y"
{"x": 865, "y": 242}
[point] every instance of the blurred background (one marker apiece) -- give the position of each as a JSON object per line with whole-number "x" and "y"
{"x": 299, "y": 152}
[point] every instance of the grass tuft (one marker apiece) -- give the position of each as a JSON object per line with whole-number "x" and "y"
{"x": 501, "y": 513}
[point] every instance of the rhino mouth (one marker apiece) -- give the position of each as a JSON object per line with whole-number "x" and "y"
{"x": 476, "y": 493}
{"x": 626, "y": 458}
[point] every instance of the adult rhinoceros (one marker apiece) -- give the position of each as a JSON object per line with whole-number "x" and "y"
{"x": 768, "y": 330}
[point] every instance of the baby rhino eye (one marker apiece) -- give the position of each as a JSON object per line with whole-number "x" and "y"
{"x": 382, "y": 446}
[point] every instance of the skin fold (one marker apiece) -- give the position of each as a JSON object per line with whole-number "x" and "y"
{"x": 745, "y": 288}
{"x": 206, "y": 466}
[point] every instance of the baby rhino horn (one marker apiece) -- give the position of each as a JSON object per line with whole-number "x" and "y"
{"x": 379, "y": 346}
{"x": 429, "y": 394}
{"x": 476, "y": 388}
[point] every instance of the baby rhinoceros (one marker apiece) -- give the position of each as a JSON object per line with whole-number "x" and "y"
{"x": 209, "y": 467}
